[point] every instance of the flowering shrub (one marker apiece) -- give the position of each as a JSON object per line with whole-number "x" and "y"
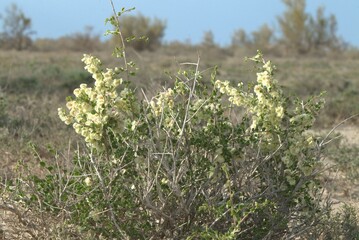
{"x": 202, "y": 159}
{"x": 94, "y": 108}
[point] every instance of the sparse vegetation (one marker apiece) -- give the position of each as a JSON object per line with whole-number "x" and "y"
{"x": 208, "y": 40}
{"x": 300, "y": 33}
{"x": 173, "y": 151}
{"x": 304, "y": 33}
{"x": 141, "y": 33}
{"x": 261, "y": 39}
{"x": 16, "y": 29}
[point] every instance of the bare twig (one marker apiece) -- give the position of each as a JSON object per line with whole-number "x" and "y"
{"x": 323, "y": 143}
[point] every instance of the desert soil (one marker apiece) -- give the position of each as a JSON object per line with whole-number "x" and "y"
{"x": 344, "y": 190}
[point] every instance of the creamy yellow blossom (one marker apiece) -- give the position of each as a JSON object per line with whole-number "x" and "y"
{"x": 88, "y": 181}
{"x": 88, "y": 113}
{"x": 264, "y": 79}
{"x": 77, "y": 92}
{"x": 169, "y": 122}
{"x": 70, "y": 104}
{"x": 164, "y": 101}
{"x": 310, "y": 140}
{"x": 134, "y": 125}
{"x": 235, "y": 96}
{"x": 266, "y": 105}
{"x": 279, "y": 111}
{"x": 64, "y": 117}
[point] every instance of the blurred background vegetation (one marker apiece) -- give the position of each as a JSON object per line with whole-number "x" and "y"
{"x": 297, "y": 33}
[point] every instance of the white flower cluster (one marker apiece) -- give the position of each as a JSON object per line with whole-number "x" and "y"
{"x": 164, "y": 100}
{"x": 268, "y": 108}
{"x": 92, "y": 107}
{"x": 201, "y": 104}
{"x": 162, "y": 106}
{"x": 236, "y": 96}
{"x": 266, "y": 105}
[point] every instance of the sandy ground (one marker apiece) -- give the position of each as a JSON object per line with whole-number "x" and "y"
{"x": 343, "y": 189}
{"x": 350, "y": 133}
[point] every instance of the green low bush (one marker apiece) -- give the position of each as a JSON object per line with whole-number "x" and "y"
{"x": 199, "y": 160}
{"x": 74, "y": 79}
{"x": 140, "y": 32}
{"x": 22, "y": 84}
{"x": 218, "y": 162}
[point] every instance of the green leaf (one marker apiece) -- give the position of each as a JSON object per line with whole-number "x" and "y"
{"x": 42, "y": 164}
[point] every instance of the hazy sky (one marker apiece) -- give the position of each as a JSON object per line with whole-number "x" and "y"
{"x": 186, "y": 19}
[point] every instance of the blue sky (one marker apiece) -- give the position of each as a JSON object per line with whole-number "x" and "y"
{"x": 186, "y": 19}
